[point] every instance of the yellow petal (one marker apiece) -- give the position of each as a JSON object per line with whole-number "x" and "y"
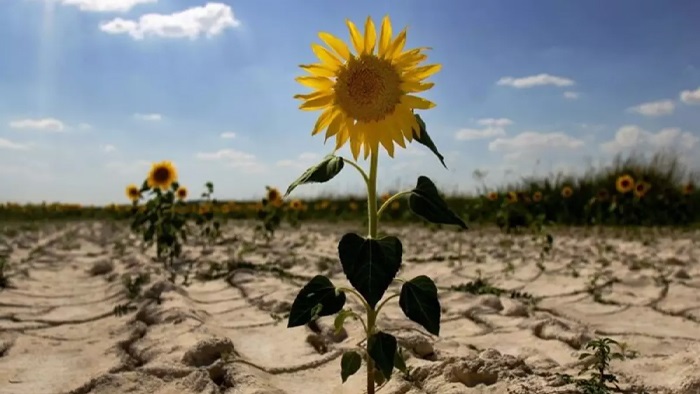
{"x": 420, "y": 73}
{"x": 416, "y": 102}
{"x": 385, "y": 36}
{"x": 396, "y": 47}
{"x": 334, "y": 126}
{"x": 316, "y": 82}
{"x": 326, "y": 57}
{"x": 415, "y": 87}
{"x": 370, "y": 36}
{"x": 336, "y": 44}
{"x": 355, "y": 37}
{"x": 324, "y": 120}
{"x": 316, "y": 102}
{"x": 355, "y": 144}
{"x": 319, "y": 70}
{"x": 341, "y": 138}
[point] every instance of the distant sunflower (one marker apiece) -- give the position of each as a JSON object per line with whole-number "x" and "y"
{"x": 385, "y": 197}
{"x": 537, "y": 196}
{"x": 567, "y": 192}
{"x": 512, "y": 197}
{"x": 641, "y": 189}
{"x": 162, "y": 175}
{"x": 688, "y": 189}
{"x": 492, "y": 196}
{"x": 366, "y": 96}
{"x": 395, "y": 205}
{"x": 624, "y": 184}
{"x": 133, "y": 193}
{"x": 274, "y": 196}
{"x": 295, "y": 205}
{"x": 181, "y": 193}
{"x": 353, "y": 206}
{"x": 602, "y": 195}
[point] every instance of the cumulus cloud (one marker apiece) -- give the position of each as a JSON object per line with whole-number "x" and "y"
{"x": 654, "y": 108}
{"x": 149, "y": 117}
{"x": 45, "y": 124}
{"x": 532, "y": 141}
{"x": 691, "y": 97}
{"x": 535, "y": 80}
{"x": 233, "y": 158}
{"x": 9, "y": 145}
{"x": 632, "y": 137}
{"x": 495, "y": 122}
{"x": 208, "y": 20}
{"x": 105, "y": 5}
{"x": 571, "y": 95}
{"x": 477, "y": 134}
{"x": 228, "y": 135}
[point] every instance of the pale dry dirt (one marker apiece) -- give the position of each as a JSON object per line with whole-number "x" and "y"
{"x": 58, "y": 333}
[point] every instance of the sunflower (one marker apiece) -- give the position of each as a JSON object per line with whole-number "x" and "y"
{"x": 602, "y": 195}
{"x": 624, "y": 184}
{"x": 641, "y": 189}
{"x": 512, "y": 197}
{"x": 133, "y": 193}
{"x": 181, "y": 193}
{"x": 567, "y": 192}
{"x": 537, "y": 196}
{"x": 492, "y": 196}
{"x": 385, "y": 197}
{"x": 395, "y": 205}
{"x": 353, "y": 206}
{"x": 274, "y": 196}
{"x": 295, "y": 205}
{"x": 688, "y": 189}
{"x": 162, "y": 175}
{"x": 366, "y": 97}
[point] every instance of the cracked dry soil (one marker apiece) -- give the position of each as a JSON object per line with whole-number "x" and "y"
{"x": 58, "y": 333}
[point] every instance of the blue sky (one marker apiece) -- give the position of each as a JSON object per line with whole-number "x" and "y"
{"x": 92, "y": 91}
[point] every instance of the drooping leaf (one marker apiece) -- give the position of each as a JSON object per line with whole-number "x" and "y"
{"x": 426, "y": 202}
{"x": 370, "y": 264}
{"x": 340, "y": 319}
{"x": 382, "y": 348}
{"x": 424, "y": 139}
{"x": 319, "y": 291}
{"x": 349, "y": 364}
{"x": 419, "y": 302}
{"x": 399, "y": 361}
{"x": 324, "y": 171}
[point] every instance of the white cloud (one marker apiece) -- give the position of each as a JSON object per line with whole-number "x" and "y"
{"x": 209, "y": 20}
{"x": 632, "y": 137}
{"x": 228, "y": 135}
{"x": 535, "y": 80}
{"x": 149, "y": 117}
{"x": 308, "y": 156}
{"x": 7, "y": 144}
{"x": 476, "y": 134}
{"x": 532, "y": 141}
{"x": 105, "y": 5}
{"x": 303, "y": 161}
{"x": 108, "y": 148}
{"x": 233, "y": 158}
{"x": 691, "y": 97}
{"x": 571, "y": 95}
{"x": 45, "y": 124}
{"x": 654, "y": 108}
{"x": 495, "y": 122}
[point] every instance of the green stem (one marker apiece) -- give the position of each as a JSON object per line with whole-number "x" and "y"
{"x": 373, "y": 216}
{"x": 392, "y": 199}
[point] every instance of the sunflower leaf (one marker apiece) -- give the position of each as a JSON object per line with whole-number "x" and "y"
{"x": 419, "y": 302}
{"x": 426, "y": 202}
{"x": 318, "y": 298}
{"x": 424, "y": 139}
{"x": 382, "y": 348}
{"x": 349, "y": 365}
{"x": 322, "y": 172}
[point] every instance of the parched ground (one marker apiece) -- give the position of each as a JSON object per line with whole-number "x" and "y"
{"x": 58, "y": 333}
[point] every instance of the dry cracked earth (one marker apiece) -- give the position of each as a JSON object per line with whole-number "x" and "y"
{"x": 58, "y": 333}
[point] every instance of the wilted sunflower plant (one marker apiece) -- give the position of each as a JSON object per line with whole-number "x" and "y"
{"x": 210, "y": 228}
{"x": 270, "y": 214}
{"x": 367, "y": 101}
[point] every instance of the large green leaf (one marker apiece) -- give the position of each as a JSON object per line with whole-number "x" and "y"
{"x": 423, "y": 138}
{"x": 324, "y": 171}
{"x": 370, "y": 264}
{"x": 426, "y": 202}
{"x": 318, "y": 298}
{"x": 382, "y": 348}
{"x": 419, "y": 302}
{"x": 349, "y": 364}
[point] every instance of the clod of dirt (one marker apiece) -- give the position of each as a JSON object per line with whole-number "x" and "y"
{"x": 5, "y": 345}
{"x": 419, "y": 346}
{"x": 515, "y": 309}
{"x": 551, "y": 328}
{"x": 318, "y": 342}
{"x": 681, "y": 274}
{"x": 101, "y": 267}
{"x": 207, "y": 351}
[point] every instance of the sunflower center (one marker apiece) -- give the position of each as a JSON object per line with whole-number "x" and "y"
{"x": 161, "y": 175}
{"x": 368, "y": 88}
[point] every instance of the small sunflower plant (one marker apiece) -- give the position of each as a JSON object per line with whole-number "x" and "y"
{"x": 210, "y": 227}
{"x": 270, "y": 213}
{"x": 367, "y": 101}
